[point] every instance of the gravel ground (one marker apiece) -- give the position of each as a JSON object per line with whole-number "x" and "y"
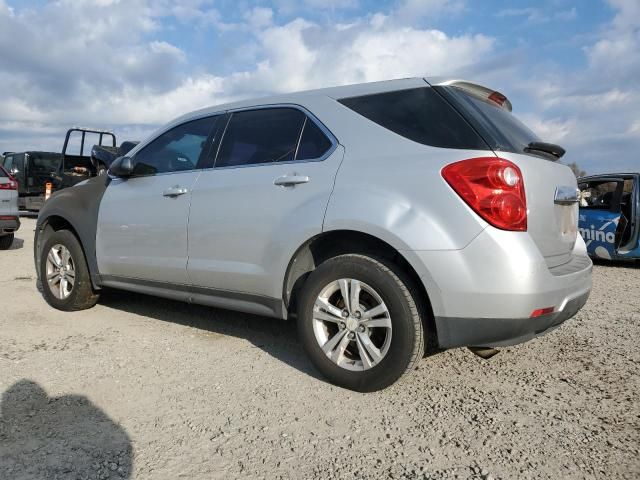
{"x": 146, "y": 388}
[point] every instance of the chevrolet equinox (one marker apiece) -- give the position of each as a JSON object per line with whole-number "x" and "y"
{"x": 378, "y": 215}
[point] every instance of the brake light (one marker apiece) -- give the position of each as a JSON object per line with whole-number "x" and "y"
{"x": 12, "y": 185}
{"x": 498, "y": 98}
{"x": 493, "y": 187}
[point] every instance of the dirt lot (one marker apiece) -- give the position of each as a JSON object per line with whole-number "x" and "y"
{"x": 145, "y": 388}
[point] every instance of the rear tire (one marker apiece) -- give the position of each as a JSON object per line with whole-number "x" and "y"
{"x": 64, "y": 275}
{"x": 6, "y": 241}
{"x": 365, "y": 351}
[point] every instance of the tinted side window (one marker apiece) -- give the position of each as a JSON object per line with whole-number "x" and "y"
{"x": 2, "y": 172}
{"x": 419, "y": 114}
{"x": 177, "y": 150}
{"x": 8, "y": 162}
{"x": 313, "y": 142}
{"x": 261, "y": 136}
{"x": 44, "y": 163}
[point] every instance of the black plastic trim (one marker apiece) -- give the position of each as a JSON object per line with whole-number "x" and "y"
{"x": 78, "y": 206}
{"x": 251, "y": 303}
{"x": 501, "y": 332}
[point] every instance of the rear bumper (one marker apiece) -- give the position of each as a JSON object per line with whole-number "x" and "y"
{"x": 9, "y": 226}
{"x": 502, "y": 332}
{"x": 485, "y": 294}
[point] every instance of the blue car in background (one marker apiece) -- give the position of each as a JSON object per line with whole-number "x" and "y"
{"x": 610, "y": 215}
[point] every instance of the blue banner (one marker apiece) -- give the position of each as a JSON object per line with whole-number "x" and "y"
{"x": 598, "y": 229}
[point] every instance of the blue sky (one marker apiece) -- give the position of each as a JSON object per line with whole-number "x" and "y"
{"x": 571, "y": 69}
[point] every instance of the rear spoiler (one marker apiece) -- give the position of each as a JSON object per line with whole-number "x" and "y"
{"x": 478, "y": 91}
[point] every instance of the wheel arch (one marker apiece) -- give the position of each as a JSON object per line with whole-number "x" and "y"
{"x": 53, "y": 223}
{"x": 337, "y": 242}
{"x": 76, "y": 208}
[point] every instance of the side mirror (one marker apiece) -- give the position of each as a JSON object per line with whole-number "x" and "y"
{"x": 121, "y": 167}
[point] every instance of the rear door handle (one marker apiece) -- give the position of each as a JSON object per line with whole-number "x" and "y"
{"x": 175, "y": 191}
{"x": 291, "y": 180}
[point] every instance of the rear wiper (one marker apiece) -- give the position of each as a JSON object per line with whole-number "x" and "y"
{"x": 549, "y": 148}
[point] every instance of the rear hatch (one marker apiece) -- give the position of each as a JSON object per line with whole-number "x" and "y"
{"x": 552, "y": 225}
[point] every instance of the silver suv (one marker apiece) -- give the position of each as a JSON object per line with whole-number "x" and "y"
{"x": 9, "y": 218}
{"x": 378, "y": 215}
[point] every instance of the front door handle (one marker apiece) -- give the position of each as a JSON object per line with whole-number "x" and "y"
{"x": 175, "y": 191}
{"x": 290, "y": 180}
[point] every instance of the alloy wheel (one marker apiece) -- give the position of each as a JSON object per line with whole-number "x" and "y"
{"x": 61, "y": 272}
{"x": 352, "y": 324}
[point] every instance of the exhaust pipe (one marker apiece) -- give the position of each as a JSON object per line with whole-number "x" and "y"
{"x": 484, "y": 352}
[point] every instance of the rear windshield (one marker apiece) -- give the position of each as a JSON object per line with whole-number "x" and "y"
{"x": 500, "y": 128}
{"x": 419, "y": 114}
{"x": 3, "y": 174}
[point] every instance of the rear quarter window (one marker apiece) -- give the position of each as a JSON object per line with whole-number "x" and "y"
{"x": 419, "y": 114}
{"x": 313, "y": 142}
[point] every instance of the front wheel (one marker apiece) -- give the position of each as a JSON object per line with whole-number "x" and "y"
{"x": 66, "y": 284}
{"x": 359, "y": 323}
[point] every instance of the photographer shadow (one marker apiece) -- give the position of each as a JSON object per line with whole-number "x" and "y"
{"x": 59, "y": 437}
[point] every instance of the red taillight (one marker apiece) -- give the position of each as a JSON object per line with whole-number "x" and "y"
{"x": 542, "y": 311}
{"x": 493, "y": 187}
{"x": 12, "y": 185}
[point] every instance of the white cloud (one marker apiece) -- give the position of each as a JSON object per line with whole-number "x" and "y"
{"x": 413, "y": 10}
{"x": 591, "y": 110}
{"x": 634, "y": 129}
{"x": 120, "y": 69}
{"x": 570, "y": 14}
{"x": 539, "y": 15}
{"x": 301, "y": 55}
{"x": 124, "y": 79}
{"x": 628, "y": 15}
{"x": 259, "y": 17}
{"x": 290, "y": 7}
{"x": 530, "y": 13}
{"x": 554, "y": 130}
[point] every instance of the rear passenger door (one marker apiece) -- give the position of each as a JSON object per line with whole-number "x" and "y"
{"x": 265, "y": 196}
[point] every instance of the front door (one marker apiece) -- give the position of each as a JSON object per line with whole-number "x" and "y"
{"x": 142, "y": 222}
